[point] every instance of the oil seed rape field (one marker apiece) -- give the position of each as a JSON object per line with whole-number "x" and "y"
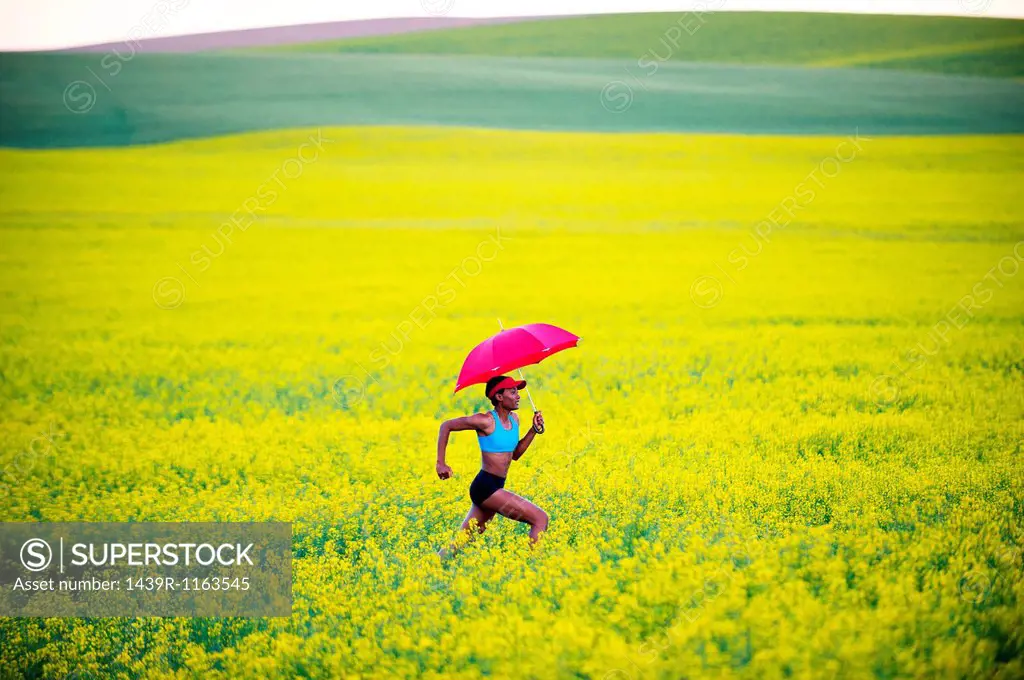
{"x": 804, "y": 466}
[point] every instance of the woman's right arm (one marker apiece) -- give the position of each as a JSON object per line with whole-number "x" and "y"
{"x": 473, "y": 422}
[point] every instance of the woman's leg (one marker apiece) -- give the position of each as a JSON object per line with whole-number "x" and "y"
{"x": 481, "y": 516}
{"x": 515, "y": 507}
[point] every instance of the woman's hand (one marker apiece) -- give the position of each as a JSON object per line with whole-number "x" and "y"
{"x": 443, "y": 471}
{"x": 538, "y": 422}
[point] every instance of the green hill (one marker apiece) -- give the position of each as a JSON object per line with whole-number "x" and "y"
{"x": 968, "y": 46}
{"x": 63, "y": 100}
{"x": 751, "y": 73}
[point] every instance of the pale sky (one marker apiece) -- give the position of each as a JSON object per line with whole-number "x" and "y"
{"x": 50, "y": 24}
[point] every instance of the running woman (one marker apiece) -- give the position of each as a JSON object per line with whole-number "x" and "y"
{"x": 498, "y": 435}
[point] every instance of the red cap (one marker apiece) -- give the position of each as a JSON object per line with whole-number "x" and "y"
{"x": 505, "y": 384}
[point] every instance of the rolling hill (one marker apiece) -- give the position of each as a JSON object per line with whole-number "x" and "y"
{"x": 971, "y": 46}
{"x": 751, "y": 73}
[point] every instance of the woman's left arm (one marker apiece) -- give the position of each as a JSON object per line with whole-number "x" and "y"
{"x": 524, "y": 443}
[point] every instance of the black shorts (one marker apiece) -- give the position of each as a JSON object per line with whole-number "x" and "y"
{"x": 483, "y": 486}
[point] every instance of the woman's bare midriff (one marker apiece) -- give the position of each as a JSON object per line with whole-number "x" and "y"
{"x": 496, "y": 463}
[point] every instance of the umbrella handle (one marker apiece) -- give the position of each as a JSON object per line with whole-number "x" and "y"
{"x": 523, "y": 378}
{"x": 541, "y": 430}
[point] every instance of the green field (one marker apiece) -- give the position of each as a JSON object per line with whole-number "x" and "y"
{"x": 157, "y": 98}
{"x": 739, "y": 73}
{"x": 969, "y": 46}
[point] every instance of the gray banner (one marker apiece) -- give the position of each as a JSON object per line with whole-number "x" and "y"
{"x": 145, "y": 569}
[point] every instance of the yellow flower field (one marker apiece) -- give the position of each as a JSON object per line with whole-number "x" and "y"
{"x": 787, "y": 446}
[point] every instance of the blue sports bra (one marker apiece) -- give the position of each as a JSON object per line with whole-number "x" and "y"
{"x": 501, "y": 440}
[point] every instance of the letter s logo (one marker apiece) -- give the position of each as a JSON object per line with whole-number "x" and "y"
{"x": 36, "y": 554}
{"x": 79, "y": 97}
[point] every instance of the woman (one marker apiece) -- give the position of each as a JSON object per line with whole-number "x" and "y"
{"x": 498, "y": 435}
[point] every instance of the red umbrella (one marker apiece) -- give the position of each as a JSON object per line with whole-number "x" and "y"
{"x": 512, "y": 349}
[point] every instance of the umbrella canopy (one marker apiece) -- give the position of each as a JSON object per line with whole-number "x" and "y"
{"x": 511, "y": 349}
